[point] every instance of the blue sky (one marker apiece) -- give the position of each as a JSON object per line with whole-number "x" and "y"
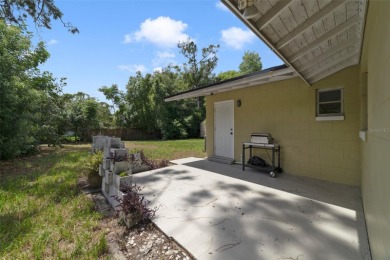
{"x": 119, "y": 37}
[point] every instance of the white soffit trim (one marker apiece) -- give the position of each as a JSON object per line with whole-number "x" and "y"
{"x": 224, "y": 86}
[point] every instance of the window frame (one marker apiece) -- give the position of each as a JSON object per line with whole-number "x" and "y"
{"x": 333, "y": 116}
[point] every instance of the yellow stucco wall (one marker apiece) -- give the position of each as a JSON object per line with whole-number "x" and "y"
{"x": 327, "y": 150}
{"x": 376, "y": 149}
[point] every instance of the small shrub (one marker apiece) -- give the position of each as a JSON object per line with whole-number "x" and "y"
{"x": 134, "y": 205}
{"x": 90, "y": 165}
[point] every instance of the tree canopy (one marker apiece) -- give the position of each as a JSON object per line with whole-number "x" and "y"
{"x": 142, "y": 106}
{"x": 227, "y": 75}
{"x": 251, "y": 62}
{"x": 24, "y": 90}
{"x": 198, "y": 71}
{"x": 33, "y": 109}
{"x": 41, "y": 11}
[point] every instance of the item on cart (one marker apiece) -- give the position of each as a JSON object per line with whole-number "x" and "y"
{"x": 261, "y": 138}
{"x": 257, "y": 161}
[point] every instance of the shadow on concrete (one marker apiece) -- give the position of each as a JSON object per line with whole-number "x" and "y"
{"x": 225, "y": 216}
{"x": 345, "y": 196}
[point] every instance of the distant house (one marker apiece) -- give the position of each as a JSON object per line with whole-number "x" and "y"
{"x": 328, "y": 106}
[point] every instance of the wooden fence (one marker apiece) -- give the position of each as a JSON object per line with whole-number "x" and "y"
{"x": 126, "y": 134}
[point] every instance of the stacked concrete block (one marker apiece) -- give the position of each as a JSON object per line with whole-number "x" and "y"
{"x": 114, "y": 162}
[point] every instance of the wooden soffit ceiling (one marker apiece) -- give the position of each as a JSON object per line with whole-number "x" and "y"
{"x": 315, "y": 37}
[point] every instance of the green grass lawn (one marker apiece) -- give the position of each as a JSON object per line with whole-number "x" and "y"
{"x": 44, "y": 215}
{"x": 169, "y": 150}
{"x": 42, "y": 212}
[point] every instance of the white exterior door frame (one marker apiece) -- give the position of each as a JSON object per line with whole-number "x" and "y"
{"x": 224, "y": 129}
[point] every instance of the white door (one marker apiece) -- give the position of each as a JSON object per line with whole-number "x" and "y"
{"x": 223, "y": 129}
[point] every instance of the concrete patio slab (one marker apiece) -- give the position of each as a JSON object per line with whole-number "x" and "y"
{"x": 217, "y": 211}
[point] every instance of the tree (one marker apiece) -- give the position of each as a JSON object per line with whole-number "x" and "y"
{"x": 50, "y": 115}
{"x": 139, "y": 97}
{"x": 105, "y": 117}
{"x": 198, "y": 71}
{"x": 84, "y": 114}
{"x": 42, "y": 12}
{"x": 112, "y": 93}
{"x": 142, "y": 105}
{"x": 28, "y": 98}
{"x": 227, "y": 75}
{"x": 251, "y": 62}
{"x": 119, "y": 105}
{"x": 170, "y": 119}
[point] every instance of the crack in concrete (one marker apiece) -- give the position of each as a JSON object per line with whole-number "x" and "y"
{"x": 227, "y": 247}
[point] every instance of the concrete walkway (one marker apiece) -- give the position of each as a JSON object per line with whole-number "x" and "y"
{"x": 217, "y": 211}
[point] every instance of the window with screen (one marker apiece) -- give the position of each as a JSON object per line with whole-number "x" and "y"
{"x": 330, "y": 103}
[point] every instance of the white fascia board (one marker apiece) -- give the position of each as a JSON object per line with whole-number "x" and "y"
{"x": 258, "y": 79}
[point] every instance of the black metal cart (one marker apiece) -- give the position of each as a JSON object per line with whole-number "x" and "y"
{"x": 275, "y": 148}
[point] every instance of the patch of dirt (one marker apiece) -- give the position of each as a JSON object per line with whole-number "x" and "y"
{"x": 150, "y": 243}
{"x": 140, "y": 242}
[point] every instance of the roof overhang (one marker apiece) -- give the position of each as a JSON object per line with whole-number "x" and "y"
{"x": 257, "y": 78}
{"x": 314, "y": 37}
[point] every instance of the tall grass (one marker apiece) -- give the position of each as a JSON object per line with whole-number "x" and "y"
{"x": 42, "y": 213}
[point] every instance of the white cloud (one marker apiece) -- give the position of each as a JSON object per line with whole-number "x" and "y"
{"x": 162, "y": 31}
{"x": 51, "y": 42}
{"x": 221, "y": 6}
{"x": 132, "y": 68}
{"x": 164, "y": 58}
{"x": 157, "y": 69}
{"x": 236, "y": 38}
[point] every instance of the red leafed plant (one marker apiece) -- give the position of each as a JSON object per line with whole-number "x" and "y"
{"x": 134, "y": 205}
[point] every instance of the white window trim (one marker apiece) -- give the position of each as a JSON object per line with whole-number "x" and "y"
{"x": 329, "y": 117}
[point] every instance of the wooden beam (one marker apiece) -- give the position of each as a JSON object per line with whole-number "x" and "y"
{"x": 342, "y": 27}
{"x": 336, "y": 67}
{"x": 362, "y": 12}
{"x": 327, "y": 53}
{"x": 254, "y": 29}
{"x": 331, "y": 64}
{"x": 272, "y": 13}
{"x": 308, "y": 23}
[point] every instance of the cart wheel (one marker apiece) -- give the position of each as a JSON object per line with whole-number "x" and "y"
{"x": 278, "y": 170}
{"x": 272, "y": 174}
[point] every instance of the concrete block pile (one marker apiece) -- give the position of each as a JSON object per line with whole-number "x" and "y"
{"x": 116, "y": 169}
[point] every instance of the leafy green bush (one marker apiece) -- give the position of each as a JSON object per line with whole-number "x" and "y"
{"x": 174, "y": 130}
{"x": 91, "y": 163}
